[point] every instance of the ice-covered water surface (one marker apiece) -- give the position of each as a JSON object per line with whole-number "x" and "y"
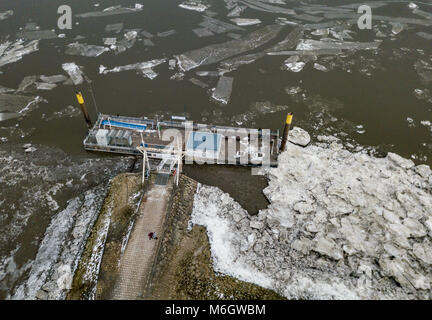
{"x": 340, "y": 225}
{"x": 307, "y": 56}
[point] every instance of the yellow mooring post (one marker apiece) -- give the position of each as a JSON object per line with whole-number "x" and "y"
{"x": 83, "y": 108}
{"x": 286, "y": 131}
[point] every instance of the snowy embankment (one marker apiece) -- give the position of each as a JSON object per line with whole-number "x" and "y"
{"x": 340, "y": 225}
{"x": 52, "y": 270}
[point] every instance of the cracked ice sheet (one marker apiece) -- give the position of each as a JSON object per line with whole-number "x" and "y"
{"x": 110, "y": 11}
{"x": 82, "y": 49}
{"x": 10, "y": 53}
{"x": 218, "y": 52}
{"x": 145, "y": 68}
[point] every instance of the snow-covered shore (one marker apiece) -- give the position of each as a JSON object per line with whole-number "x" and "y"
{"x": 340, "y": 225}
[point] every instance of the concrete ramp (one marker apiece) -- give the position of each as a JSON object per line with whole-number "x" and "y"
{"x": 137, "y": 260}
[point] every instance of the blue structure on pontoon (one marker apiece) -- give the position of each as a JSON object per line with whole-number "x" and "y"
{"x": 126, "y": 125}
{"x": 203, "y": 141}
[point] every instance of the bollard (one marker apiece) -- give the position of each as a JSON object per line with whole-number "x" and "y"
{"x": 83, "y": 109}
{"x": 286, "y": 131}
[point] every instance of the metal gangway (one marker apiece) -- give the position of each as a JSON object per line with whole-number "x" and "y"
{"x": 172, "y": 161}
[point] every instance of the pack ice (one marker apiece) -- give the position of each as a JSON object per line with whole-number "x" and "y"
{"x": 340, "y": 225}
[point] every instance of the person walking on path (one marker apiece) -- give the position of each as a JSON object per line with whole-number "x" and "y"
{"x": 150, "y": 235}
{"x": 154, "y": 235}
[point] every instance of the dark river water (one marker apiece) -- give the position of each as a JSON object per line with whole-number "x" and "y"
{"x": 377, "y": 99}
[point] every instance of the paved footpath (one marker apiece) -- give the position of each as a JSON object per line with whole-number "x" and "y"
{"x": 136, "y": 262}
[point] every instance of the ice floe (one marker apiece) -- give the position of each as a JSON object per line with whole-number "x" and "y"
{"x": 166, "y": 33}
{"x": 116, "y": 27}
{"x": 26, "y": 83}
{"x": 218, "y": 26}
{"x": 147, "y": 34}
{"x": 245, "y": 22}
{"x": 425, "y": 35}
{"x": 413, "y": 21}
{"x": 114, "y": 10}
{"x": 45, "y": 86}
{"x": 177, "y": 76}
{"x": 299, "y": 137}
{"x": 74, "y": 72}
{"x": 144, "y": 68}
{"x": 148, "y": 43}
{"x": 13, "y": 52}
{"x": 53, "y": 79}
{"x": 412, "y": 5}
{"x": 310, "y": 44}
{"x": 218, "y": 52}
{"x": 68, "y": 112}
{"x": 236, "y": 11}
{"x": 55, "y": 177}
{"x": 424, "y": 70}
{"x": 194, "y": 5}
{"x": 82, "y": 49}
{"x": 256, "y": 109}
{"x": 37, "y": 35}
{"x": 6, "y": 14}
{"x": 6, "y": 90}
{"x": 17, "y": 103}
{"x": 61, "y": 247}
{"x": 223, "y": 89}
{"x": 234, "y": 35}
{"x": 397, "y": 27}
{"x": 198, "y": 82}
{"x": 320, "y": 67}
{"x": 109, "y": 41}
{"x": 261, "y": 6}
{"x": 424, "y": 94}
